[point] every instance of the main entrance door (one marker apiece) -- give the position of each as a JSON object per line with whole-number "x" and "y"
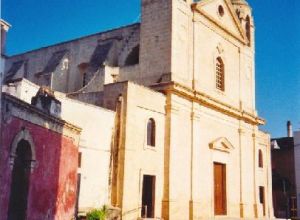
{"x": 220, "y": 189}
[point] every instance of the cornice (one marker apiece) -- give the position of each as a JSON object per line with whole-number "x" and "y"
{"x": 208, "y": 101}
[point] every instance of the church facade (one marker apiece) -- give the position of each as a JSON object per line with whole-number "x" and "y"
{"x": 167, "y": 110}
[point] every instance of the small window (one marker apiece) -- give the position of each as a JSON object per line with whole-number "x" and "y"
{"x": 84, "y": 79}
{"x": 248, "y": 28}
{"x": 260, "y": 159}
{"x": 220, "y": 78}
{"x": 65, "y": 64}
{"x": 151, "y": 132}
{"x": 79, "y": 159}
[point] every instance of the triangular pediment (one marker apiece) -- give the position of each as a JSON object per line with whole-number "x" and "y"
{"x": 221, "y": 144}
{"x": 221, "y": 13}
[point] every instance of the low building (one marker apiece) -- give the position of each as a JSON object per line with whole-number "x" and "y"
{"x": 297, "y": 166}
{"x": 284, "y": 175}
{"x": 38, "y": 161}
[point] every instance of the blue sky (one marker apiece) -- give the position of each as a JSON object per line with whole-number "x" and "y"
{"x": 38, "y": 23}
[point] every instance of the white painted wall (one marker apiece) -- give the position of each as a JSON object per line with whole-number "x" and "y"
{"x": 97, "y": 129}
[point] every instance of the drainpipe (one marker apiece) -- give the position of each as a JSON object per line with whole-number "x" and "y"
{"x": 191, "y": 211}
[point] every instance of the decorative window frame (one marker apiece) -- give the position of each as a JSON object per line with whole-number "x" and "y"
{"x": 221, "y": 144}
{"x": 24, "y": 134}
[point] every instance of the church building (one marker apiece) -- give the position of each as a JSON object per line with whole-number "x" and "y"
{"x": 165, "y": 110}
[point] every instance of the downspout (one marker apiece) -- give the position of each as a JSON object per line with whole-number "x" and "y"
{"x": 240, "y": 143}
{"x": 121, "y": 149}
{"x": 191, "y": 212}
{"x": 254, "y": 174}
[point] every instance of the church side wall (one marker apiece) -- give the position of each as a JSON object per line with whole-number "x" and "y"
{"x": 79, "y": 51}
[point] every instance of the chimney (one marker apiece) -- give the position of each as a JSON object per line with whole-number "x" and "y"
{"x": 4, "y": 29}
{"x": 289, "y": 129}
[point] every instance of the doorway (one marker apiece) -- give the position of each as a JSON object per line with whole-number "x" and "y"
{"x": 20, "y": 182}
{"x": 220, "y": 189}
{"x": 262, "y": 198}
{"x": 148, "y": 197}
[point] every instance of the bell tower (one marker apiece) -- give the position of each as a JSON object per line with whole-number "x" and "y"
{"x": 244, "y": 13}
{"x": 165, "y": 32}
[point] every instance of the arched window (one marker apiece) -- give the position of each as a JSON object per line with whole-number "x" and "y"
{"x": 260, "y": 159}
{"x": 248, "y": 28}
{"x": 20, "y": 181}
{"x": 220, "y": 74}
{"x": 151, "y": 132}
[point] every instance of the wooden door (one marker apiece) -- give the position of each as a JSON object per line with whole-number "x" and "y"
{"x": 220, "y": 189}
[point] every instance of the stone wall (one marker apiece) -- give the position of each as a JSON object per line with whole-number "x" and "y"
{"x": 53, "y": 176}
{"x": 46, "y": 66}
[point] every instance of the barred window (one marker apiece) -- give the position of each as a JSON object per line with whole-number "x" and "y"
{"x": 84, "y": 79}
{"x": 220, "y": 77}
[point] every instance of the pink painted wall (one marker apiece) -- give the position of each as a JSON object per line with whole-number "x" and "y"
{"x": 53, "y": 182}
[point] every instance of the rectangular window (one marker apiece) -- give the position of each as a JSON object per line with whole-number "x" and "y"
{"x": 84, "y": 79}
{"x": 79, "y": 159}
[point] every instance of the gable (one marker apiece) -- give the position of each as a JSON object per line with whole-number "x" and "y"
{"x": 221, "y": 144}
{"x": 222, "y": 14}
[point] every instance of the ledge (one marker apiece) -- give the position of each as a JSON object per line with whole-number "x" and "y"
{"x": 208, "y": 101}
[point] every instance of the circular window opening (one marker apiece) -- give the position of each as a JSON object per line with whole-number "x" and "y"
{"x": 221, "y": 10}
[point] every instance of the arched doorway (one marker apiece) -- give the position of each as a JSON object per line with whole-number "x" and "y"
{"x": 20, "y": 181}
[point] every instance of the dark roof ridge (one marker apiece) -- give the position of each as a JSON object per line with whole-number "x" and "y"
{"x": 75, "y": 39}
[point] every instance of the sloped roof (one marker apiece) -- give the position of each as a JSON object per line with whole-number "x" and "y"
{"x": 54, "y": 61}
{"x": 15, "y": 67}
{"x": 285, "y": 142}
{"x": 99, "y": 56}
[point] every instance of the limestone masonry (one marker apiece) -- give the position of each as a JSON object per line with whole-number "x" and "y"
{"x": 161, "y": 114}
